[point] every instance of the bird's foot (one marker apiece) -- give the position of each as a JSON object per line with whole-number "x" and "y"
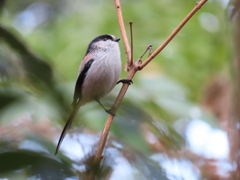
{"x": 110, "y": 111}
{"x": 128, "y": 81}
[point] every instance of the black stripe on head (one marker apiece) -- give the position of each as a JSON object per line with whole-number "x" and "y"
{"x": 103, "y": 37}
{"x": 78, "y": 87}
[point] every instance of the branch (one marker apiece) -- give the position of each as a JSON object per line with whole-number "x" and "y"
{"x": 110, "y": 117}
{"x": 172, "y": 35}
{"x": 124, "y": 34}
{"x": 133, "y": 68}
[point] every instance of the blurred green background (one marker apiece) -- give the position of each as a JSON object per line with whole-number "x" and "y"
{"x": 41, "y": 46}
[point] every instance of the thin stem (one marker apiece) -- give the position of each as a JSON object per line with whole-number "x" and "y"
{"x": 123, "y": 33}
{"x": 150, "y": 50}
{"x": 149, "y": 47}
{"x": 172, "y": 35}
{"x": 110, "y": 117}
{"x": 131, "y": 36}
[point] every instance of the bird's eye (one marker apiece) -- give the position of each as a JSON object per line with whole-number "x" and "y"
{"x": 105, "y": 39}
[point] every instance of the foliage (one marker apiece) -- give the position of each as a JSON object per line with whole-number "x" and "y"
{"x": 41, "y": 46}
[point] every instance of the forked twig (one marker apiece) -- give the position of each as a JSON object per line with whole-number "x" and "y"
{"x": 149, "y": 48}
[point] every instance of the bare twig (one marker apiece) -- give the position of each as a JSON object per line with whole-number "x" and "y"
{"x": 110, "y": 117}
{"x": 124, "y": 88}
{"x": 123, "y": 33}
{"x": 131, "y": 36}
{"x": 149, "y": 48}
{"x": 172, "y": 35}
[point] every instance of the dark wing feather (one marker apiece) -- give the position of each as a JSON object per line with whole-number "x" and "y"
{"x": 78, "y": 87}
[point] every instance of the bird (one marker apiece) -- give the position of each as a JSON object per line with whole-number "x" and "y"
{"x": 98, "y": 74}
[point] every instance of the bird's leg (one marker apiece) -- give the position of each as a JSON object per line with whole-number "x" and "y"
{"x": 108, "y": 111}
{"x": 128, "y": 81}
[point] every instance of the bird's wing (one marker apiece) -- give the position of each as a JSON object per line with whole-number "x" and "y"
{"x": 78, "y": 87}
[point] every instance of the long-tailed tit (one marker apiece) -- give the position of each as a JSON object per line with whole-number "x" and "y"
{"x": 98, "y": 74}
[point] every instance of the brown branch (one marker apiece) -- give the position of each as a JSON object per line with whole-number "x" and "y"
{"x": 172, "y": 35}
{"x": 124, "y": 34}
{"x": 123, "y": 90}
{"x": 133, "y": 68}
{"x": 110, "y": 117}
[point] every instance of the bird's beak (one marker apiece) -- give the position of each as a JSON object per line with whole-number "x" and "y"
{"x": 117, "y": 39}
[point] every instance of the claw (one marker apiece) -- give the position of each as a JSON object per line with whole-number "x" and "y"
{"x": 110, "y": 112}
{"x": 128, "y": 81}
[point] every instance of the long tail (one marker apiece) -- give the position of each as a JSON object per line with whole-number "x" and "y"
{"x": 67, "y": 125}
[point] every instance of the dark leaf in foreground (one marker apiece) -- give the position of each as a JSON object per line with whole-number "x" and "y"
{"x": 36, "y": 68}
{"x": 40, "y": 165}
